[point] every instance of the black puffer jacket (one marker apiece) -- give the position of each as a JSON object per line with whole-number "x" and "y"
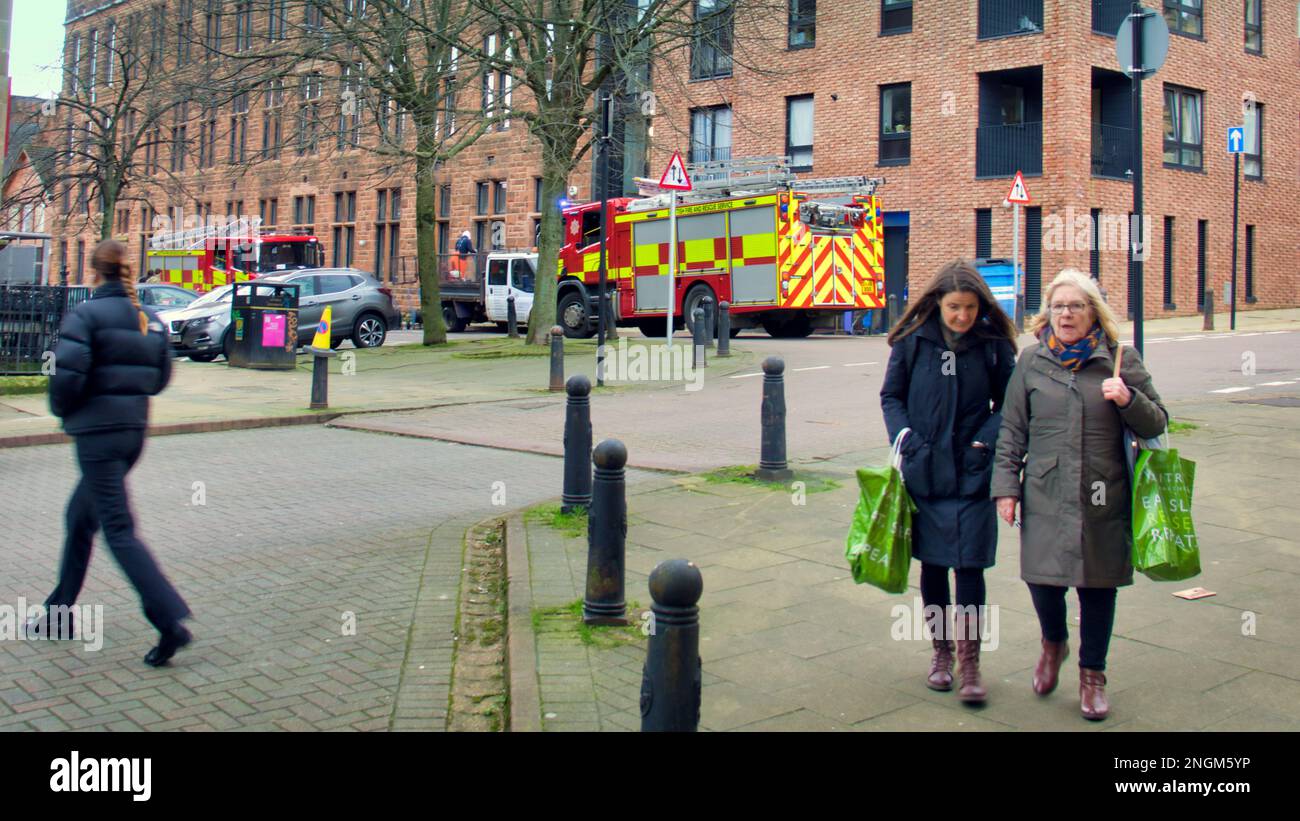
{"x": 105, "y": 370}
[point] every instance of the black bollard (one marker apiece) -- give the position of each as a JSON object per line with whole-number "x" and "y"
{"x": 671, "y": 678}
{"x": 1207, "y": 324}
{"x": 557, "y": 358}
{"x": 709, "y": 325}
{"x": 577, "y": 445}
{"x": 724, "y": 328}
{"x": 606, "y": 538}
{"x": 697, "y": 336}
{"x": 320, "y": 381}
{"x": 512, "y": 318}
{"x": 771, "y": 462}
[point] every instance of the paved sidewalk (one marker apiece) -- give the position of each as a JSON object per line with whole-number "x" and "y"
{"x": 789, "y": 642}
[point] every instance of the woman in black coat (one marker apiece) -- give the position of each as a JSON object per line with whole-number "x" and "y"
{"x": 111, "y": 357}
{"x": 952, "y": 355}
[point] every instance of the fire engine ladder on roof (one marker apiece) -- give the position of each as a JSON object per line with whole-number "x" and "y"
{"x": 750, "y": 175}
{"x": 194, "y": 239}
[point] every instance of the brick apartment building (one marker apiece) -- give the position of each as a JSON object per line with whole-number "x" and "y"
{"x": 944, "y": 100}
{"x": 947, "y": 100}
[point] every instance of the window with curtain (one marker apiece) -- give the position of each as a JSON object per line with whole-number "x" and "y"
{"x": 1252, "y": 163}
{"x": 799, "y": 132}
{"x": 1254, "y": 27}
{"x": 1183, "y": 144}
{"x": 710, "y": 134}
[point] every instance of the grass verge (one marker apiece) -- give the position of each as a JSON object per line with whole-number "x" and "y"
{"x": 744, "y": 475}
{"x": 573, "y": 525}
{"x": 568, "y": 619}
{"x": 20, "y": 385}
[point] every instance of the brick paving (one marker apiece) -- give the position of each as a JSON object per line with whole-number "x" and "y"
{"x": 300, "y": 526}
{"x": 789, "y": 642}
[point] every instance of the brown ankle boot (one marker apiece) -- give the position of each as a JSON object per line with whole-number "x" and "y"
{"x": 972, "y": 690}
{"x": 1092, "y": 694}
{"x": 940, "y": 677}
{"x": 1048, "y": 671}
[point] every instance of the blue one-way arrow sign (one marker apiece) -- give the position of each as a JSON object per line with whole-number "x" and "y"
{"x": 1237, "y": 140}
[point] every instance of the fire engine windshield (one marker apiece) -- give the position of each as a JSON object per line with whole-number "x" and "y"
{"x": 268, "y": 257}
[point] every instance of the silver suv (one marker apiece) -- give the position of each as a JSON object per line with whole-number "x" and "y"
{"x": 363, "y": 308}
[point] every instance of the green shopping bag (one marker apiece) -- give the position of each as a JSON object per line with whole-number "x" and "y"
{"x": 879, "y": 544}
{"x": 1164, "y": 539}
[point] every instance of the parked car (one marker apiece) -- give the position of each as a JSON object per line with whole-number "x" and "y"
{"x": 363, "y": 308}
{"x": 163, "y": 297}
{"x": 199, "y": 330}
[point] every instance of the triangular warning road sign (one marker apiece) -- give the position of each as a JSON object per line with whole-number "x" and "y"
{"x": 1019, "y": 193}
{"x": 675, "y": 177}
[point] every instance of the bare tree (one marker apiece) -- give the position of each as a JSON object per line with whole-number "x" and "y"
{"x": 395, "y": 62}
{"x": 563, "y": 53}
{"x": 125, "y": 103}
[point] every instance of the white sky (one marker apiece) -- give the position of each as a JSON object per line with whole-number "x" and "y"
{"x": 36, "y": 47}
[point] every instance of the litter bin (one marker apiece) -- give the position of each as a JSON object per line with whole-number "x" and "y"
{"x": 1000, "y": 276}
{"x": 264, "y": 324}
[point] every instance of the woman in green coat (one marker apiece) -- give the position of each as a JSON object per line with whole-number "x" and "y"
{"x": 1063, "y": 424}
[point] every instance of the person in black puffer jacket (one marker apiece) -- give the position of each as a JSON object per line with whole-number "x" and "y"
{"x": 112, "y": 355}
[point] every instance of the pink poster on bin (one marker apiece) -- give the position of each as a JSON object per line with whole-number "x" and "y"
{"x": 273, "y": 330}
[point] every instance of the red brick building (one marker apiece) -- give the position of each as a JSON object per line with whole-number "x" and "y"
{"x": 945, "y": 100}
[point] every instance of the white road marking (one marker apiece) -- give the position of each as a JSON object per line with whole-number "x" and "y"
{"x": 858, "y": 364}
{"x": 1252, "y": 333}
{"x": 1276, "y": 384}
{"x": 813, "y": 368}
{"x": 745, "y": 375}
{"x": 1271, "y": 333}
{"x": 1230, "y": 390}
{"x": 1186, "y": 338}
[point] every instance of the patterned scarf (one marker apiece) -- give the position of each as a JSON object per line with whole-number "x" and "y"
{"x": 1073, "y": 356}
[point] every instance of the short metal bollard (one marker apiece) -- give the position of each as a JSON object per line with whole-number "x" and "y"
{"x": 671, "y": 678}
{"x": 607, "y": 538}
{"x": 697, "y": 337}
{"x": 724, "y": 328}
{"x": 557, "y": 358}
{"x": 710, "y": 326}
{"x": 1208, "y": 323}
{"x": 577, "y": 445}
{"x": 772, "y": 465}
{"x": 320, "y": 377}
{"x": 512, "y": 318}
{"x": 891, "y": 310}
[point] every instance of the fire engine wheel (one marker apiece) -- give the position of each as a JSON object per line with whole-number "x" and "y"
{"x": 572, "y": 315}
{"x": 695, "y": 299}
{"x": 370, "y": 332}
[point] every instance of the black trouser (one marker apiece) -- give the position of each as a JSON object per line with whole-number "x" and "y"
{"x": 934, "y": 588}
{"x": 1096, "y": 619}
{"x": 100, "y": 500}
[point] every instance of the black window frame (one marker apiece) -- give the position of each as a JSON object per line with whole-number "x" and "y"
{"x": 801, "y": 20}
{"x": 983, "y": 233}
{"x": 1180, "y": 10}
{"x": 706, "y": 43}
{"x": 895, "y": 138}
{"x": 482, "y": 199}
{"x": 1257, "y": 28}
{"x": 1178, "y": 144}
{"x": 499, "y": 197}
{"x": 1170, "y": 228}
{"x": 1258, "y": 157}
{"x": 1094, "y": 248}
{"x": 891, "y": 17}
{"x": 1202, "y": 243}
{"x": 1251, "y": 232}
{"x": 789, "y": 146}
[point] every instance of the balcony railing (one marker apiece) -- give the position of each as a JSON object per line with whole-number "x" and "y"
{"x": 707, "y": 154}
{"x": 1112, "y": 151}
{"x": 999, "y": 18}
{"x": 1108, "y": 14}
{"x": 1002, "y": 150}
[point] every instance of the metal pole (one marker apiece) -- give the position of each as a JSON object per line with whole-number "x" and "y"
{"x": 1137, "y": 16}
{"x": 577, "y": 445}
{"x": 672, "y": 260}
{"x": 603, "y": 602}
{"x": 6, "y": 25}
{"x": 1015, "y": 268}
{"x": 603, "y": 145}
{"x": 671, "y": 677}
{"x": 1236, "y": 205}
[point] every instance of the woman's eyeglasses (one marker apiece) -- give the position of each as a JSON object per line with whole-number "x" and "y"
{"x": 1072, "y": 307}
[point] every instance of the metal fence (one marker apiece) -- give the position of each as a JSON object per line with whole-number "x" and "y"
{"x": 30, "y": 316}
{"x": 1112, "y": 151}
{"x": 1002, "y": 150}
{"x": 999, "y": 18}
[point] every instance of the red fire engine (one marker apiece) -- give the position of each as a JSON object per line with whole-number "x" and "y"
{"x": 789, "y": 255}
{"x": 213, "y": 256}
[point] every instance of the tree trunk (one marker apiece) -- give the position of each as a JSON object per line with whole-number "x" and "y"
{"x": 109, "y": 190}
{"x": 557, "y": 162}
{"x": 435, "y": 330}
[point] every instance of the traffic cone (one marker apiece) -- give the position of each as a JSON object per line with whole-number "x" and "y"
{"x": 321, "y": 341}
